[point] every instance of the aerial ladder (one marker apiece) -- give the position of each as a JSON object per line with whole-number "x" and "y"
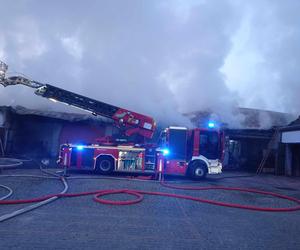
{"x": 130, "y": 122}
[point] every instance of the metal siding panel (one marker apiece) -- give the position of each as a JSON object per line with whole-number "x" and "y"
{"x": 291, "y": 137}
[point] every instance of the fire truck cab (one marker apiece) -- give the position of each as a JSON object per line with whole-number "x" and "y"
{"x": 194, "y": 152}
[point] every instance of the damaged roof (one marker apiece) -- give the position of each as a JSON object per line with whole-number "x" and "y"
{"x": 296, "y": 122}
{"x": 294, "y": 125}
{"x": 72, "y": 117}
{"x": 247, "y": 118}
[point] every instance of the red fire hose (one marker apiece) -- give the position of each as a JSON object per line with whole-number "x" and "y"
{"x": 139, "y": 197}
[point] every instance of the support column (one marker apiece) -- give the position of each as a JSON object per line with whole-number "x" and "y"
{"x": 288, "y": 160}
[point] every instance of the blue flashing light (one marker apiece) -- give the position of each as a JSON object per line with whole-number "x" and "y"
{"x": 80, "y": 147}
{"x": 211, "y": 124}
{"x": 166, "y": 151}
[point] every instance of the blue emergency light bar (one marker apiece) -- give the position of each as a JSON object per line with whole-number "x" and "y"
{"x": 166, "y": 151}
{"x": 80, "y": 147}
{"x": 211, "y": 124}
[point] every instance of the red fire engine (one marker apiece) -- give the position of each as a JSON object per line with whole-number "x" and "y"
{"x": 180, "y": 151}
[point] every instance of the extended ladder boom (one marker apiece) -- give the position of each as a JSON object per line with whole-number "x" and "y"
{"x": 132, "y": 122}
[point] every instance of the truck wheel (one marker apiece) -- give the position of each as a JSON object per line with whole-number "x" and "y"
{"x": 105, "y": 165}
{"x": 197, "y": 170}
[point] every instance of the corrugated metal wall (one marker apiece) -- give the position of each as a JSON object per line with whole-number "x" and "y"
{"x": 40, "y": 137}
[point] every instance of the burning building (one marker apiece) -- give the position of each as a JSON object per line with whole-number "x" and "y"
{"x": 38, "y": 134}
{"x": 247, "y": 138}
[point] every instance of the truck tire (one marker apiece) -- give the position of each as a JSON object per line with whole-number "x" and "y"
{"x": 197, "y": 170}
{"x": 105, "y": 164}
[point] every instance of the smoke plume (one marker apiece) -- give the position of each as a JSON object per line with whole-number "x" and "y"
{"x": 161, "y": 58}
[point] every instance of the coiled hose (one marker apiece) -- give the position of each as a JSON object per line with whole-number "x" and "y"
{"x": 139, "y": 194}
{"x": 39, "y": 203}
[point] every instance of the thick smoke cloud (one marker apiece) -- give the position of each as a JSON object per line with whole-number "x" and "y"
{"x": 161, "y": 58}
{"x": 263, "y": 64}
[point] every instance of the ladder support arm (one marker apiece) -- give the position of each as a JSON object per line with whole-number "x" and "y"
{"x": 131, "y": 122}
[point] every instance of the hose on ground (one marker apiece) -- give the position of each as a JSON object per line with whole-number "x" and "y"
{"x": 10, "y": 192}
{"x": 40, "y": 202}
{"x": 34, "y": 206}
{"x": 27, "y": 176}
{"x": 10, "y": 162}
{"x": 139, "y": 194}
{"x": 234, "y": 177}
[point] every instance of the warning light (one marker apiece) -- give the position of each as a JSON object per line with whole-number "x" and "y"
{"x": 166, "y": 151}
{"x": 211, "y": 124}
{"x": 80, "y": 147}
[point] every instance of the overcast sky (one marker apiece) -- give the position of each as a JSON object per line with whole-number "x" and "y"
{"x": 160, "y": 58}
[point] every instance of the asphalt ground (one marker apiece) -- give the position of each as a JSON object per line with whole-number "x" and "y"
{"x": 156, "y": 222}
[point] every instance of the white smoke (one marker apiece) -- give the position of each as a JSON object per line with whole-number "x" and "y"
{"x": 161, "y": 58}
{"x": 263, "y": 65}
